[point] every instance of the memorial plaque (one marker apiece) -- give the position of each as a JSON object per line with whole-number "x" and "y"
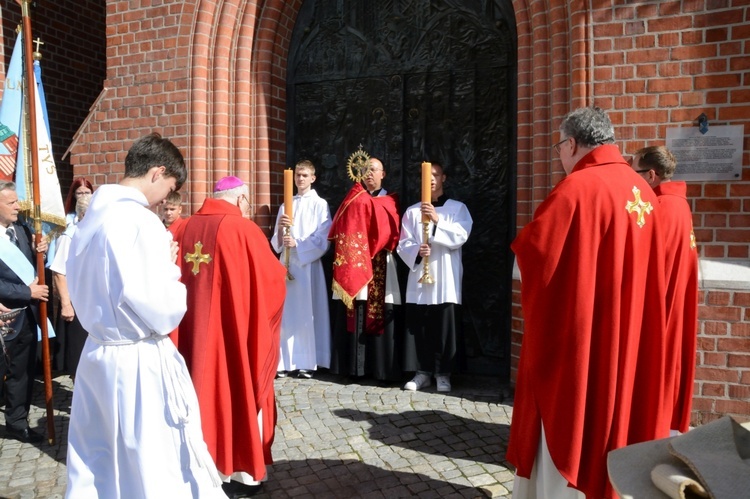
{"x": 714, "y": 155}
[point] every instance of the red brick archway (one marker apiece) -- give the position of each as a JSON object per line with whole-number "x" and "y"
{"x": 211, "y": 74}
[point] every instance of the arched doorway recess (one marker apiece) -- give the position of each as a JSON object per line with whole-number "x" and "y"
{"x": 417, "y": 81}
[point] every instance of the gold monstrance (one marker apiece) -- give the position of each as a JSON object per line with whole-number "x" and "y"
{"x": 358, "y": 165}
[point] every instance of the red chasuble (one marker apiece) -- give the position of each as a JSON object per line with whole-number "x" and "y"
{"x": 592, "y": 366}
{"x": 177, "y": 227}
{"x": 682, "y": 295}
{"x": 362, "y": 227}
{"x": 230, "y": 333}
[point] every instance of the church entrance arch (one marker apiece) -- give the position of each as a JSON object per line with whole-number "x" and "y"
{"x": 414, "y": 81}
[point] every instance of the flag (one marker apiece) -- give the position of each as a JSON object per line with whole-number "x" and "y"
{"x": 16, "y": 167}
{"x": 52, "y": 206}
{"x": 11, "y": 110}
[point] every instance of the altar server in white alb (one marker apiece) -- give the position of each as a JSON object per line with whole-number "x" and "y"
{"x": 432, "y": 310}
{"x": 305, "y": 325}
{"x": 135, "y": 427}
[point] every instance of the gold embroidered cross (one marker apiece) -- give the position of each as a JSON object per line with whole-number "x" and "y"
{"x": 693, "y": 245}
{"x": 197, "y": 257}
{"x": 642, "y": 208}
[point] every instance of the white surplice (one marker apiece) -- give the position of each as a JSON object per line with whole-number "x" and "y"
{"x": 135, "y": 429}
{"x": 446, "y": 239}
{"x": 305, "y": 325}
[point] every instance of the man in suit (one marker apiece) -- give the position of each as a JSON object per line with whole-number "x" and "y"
{"x": 18, "y": 288}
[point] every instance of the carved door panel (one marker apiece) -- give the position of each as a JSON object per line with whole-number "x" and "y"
{"x": 459, "y": 119}
{"x": 333, "y": 118}
{"x": 418, "y": 81}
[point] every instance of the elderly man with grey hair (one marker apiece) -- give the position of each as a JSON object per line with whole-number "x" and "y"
{"x": 230, "y": 334}
{"x": 592, "y": 272}
{"x": 19, "y": 288}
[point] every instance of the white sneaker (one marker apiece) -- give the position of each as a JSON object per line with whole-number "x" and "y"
{"x": 443, "y": 383}
{"x": 418, "y": 382}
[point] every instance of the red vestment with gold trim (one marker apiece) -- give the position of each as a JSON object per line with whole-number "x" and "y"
{"x": 593, "y": 360}
{"x": 230, "y": 333}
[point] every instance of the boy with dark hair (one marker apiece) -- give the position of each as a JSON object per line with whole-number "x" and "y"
{"x": 135, "y": 428}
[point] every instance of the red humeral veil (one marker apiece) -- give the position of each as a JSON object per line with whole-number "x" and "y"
{"x": 362, "y": 226}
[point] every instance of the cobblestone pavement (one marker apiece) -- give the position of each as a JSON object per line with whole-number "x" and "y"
{"x": 335, "y": 438}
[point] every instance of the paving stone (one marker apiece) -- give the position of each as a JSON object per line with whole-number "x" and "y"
{"x": 334, "y": 439}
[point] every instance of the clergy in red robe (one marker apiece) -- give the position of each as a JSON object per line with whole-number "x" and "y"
{"x": 230, "y": 333}
{"x": 366, "y": 339}
{"x": 177, "y": 227}
{"x": 591, "y": 372}
{"x": 657, "y": 165}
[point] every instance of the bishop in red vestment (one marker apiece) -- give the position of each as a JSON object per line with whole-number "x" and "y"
{"x": 592, "y": 367}
{"x": 230, "y": 333}
{"x": 657, "y": 165}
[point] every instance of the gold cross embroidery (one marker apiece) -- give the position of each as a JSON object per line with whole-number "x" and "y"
{"x": 693, "y": 244}
{"x": 642, "y": 208}
{"x": 197, "y": 257}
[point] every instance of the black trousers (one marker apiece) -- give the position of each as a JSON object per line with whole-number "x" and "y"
{"x": 18, "y": 372}
{"x": 360, "y": 354}
{"x": 431, "y": 336}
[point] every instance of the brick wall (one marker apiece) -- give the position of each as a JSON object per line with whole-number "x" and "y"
{"x": 662, "y": 64}
{"x": 722, "y": 375}
{"x": 73, "y": 65}
{"x": 145, "y": 87}
{"x": 651, "y": 65}
{"x": 210, "y": 76}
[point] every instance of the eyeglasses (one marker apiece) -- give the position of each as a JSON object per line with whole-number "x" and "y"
{"x": 556, "y": 147}
{"x": 643, "y": 171}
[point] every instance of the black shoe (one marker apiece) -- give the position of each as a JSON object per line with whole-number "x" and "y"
{"x": 305, "y": 374}
{"x": 27, "y": 435}
{"x": 237, "y": 490}
{"x": 281, "y": 374}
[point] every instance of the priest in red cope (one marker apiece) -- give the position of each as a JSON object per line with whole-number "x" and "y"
{"x": 657, "y": 164}
{"x": 230, "y": 333}
{"x": 591, "y": 373}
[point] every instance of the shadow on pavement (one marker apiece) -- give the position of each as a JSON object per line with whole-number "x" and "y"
{"x": 436, "y": 432}
{"x": 346, "y": 479}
